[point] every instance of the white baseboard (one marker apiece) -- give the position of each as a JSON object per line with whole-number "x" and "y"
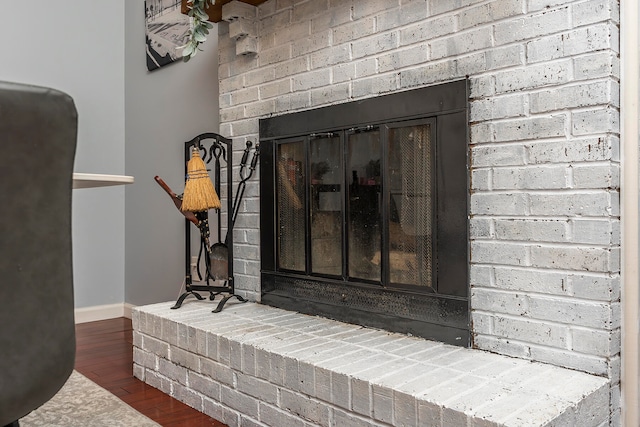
{"x": 103, "y": 312}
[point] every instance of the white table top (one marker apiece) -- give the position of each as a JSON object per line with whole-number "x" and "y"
{"x": 91, "y": 180}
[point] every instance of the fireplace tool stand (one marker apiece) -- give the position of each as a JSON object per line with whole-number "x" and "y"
{"x": 214, "y": 148}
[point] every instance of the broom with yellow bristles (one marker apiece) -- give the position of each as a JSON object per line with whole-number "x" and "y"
{"x": 199, "y": 193}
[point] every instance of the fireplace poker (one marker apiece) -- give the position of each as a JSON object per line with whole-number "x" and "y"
{"x": 219, "y": 254}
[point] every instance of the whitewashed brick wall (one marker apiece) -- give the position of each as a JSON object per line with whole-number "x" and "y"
{"x": 544, "y": 113}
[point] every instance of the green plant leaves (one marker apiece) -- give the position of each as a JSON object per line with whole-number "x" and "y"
{"x": 188, "y": 49}
{"x": 199, "y": 27}
{"x": 200, "y": 14}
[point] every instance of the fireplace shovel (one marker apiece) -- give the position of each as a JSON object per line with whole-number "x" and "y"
{"x": 219, "y": 254}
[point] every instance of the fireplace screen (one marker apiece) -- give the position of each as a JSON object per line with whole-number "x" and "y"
{"x": 411, "y": 205}
{"x": 364, "y": 213}
{"x": 291, "y": 218}
{"x": 326, "y": 205}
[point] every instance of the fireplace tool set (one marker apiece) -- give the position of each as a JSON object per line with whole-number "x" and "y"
{"x": 201, "y": 195}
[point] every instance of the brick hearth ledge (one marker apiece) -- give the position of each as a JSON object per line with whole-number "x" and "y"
{"x": 255, "y": 365}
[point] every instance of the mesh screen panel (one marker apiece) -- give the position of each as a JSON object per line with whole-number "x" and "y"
{"x": 290, "y": 195}
{"x": 327, "y": 178}
{"x": 363, "y": 162}
{"x": 411, "y": 219}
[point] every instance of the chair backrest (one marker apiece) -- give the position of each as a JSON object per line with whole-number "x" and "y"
{"x": 38, "y": 131}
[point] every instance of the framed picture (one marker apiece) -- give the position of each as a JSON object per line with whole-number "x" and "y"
{"x": 166, "y": 30}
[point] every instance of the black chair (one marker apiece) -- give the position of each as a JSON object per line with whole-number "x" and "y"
{"x": 38, "y": 130}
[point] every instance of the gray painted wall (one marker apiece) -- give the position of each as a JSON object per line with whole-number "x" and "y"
{"x": 132, "y": 122}
{"x": 164, "y": 108}
{"x": 78, "y": 47}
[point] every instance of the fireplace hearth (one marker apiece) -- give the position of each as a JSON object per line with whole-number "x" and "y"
{"x": 364, "y": 212}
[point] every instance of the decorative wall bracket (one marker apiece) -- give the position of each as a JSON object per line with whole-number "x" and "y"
{"x": 242, "y": 26}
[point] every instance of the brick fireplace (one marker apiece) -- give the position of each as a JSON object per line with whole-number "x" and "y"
{"x": 543, "y": 120}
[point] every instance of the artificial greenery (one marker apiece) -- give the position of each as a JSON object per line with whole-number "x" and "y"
{"x": 200, "y": 27}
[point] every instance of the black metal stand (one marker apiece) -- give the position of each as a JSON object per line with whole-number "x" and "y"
{"x": 214, "y": 148}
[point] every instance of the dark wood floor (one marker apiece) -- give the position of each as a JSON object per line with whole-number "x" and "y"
{"x": 104, "y": 354}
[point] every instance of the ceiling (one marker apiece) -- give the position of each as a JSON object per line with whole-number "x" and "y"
{"x": 215, "y": 11}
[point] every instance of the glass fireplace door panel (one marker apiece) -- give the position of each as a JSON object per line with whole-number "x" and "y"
{"x": 326, "y": 177}
{"x": 290, "y": 193}
{"x": 363, "y": 165}
{"x": 411, "y": 209}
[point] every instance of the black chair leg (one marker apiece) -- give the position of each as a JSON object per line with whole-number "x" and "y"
{"x": 13, "y": 424}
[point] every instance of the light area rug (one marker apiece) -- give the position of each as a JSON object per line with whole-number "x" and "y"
{"x": 83, "y": 403}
